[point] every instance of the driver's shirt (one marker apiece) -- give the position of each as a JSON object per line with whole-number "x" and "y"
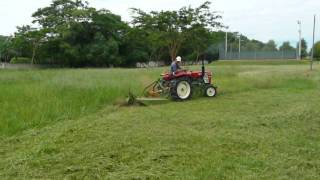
{"x": 174, "y": 67}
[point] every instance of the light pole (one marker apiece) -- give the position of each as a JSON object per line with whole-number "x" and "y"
{"x": 239, "y": 46}
{"x": 312, "y": 53}
{"x": 299, "y": 52}
{"x": 226, "y": 45}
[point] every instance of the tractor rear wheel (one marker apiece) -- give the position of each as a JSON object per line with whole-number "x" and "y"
{"x": 181, "y": 89}
{"x": 210, "y": 91}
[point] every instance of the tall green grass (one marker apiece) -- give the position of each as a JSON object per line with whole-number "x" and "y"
{"x": 38, "y": 97}
{"x": 263, "y": 125}
{"x": 35, "y": 98}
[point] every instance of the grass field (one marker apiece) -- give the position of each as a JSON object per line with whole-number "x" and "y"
{"x": 265, "y": 124}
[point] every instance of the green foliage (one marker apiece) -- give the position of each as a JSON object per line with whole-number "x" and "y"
{"x": 304, "y": 48}
{"x": 20, "y": 60}
{"x": 247, "y": 44}
{"x": 270, "y": 46}
{"x": 73, "y": 34}
{"x": 176, "y": 27}
{"x": 61, "y": 13}
{"x": 2, "y": 43}
{"x": 140, "y": 46}
{"x": 21, "y": 42}
{"x": 317, "y": 50}
{"x": 27, "y": 40}
{"x": 251, "y": 46}
{"x": 6, "y": 48}
{"x": 198, "y": 40}
{"x": 286, "y": 47}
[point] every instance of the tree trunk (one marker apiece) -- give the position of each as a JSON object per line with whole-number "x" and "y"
{"x": 34, "y": 52}
{"x": 173, "y": 54}
{"x": 197, "y": 59}
{"x": 174, "y": 47}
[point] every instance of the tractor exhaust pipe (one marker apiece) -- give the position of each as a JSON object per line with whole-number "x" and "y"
{"x": 203, "y": 68}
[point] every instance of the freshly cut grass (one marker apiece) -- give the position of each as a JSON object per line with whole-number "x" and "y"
{"x": 265, "y": 124}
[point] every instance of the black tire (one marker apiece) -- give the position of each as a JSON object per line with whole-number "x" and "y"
{"x": 210, "y": 91}
{"x": 178, "y": 89}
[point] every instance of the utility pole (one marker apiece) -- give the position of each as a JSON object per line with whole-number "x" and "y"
{"x": 226, "y": 46}
{"x": 312, "y": 53}
{"x": 239, "y": 46}
{"x": 299, "y": 52}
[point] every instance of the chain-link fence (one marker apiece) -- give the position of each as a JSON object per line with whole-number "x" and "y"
{"x": 257, "y": 54}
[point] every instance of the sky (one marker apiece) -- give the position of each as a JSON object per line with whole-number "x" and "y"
{"x": 257, "y": 19}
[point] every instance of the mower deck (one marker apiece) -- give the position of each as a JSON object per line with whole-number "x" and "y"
{"x": 144, "y": 101}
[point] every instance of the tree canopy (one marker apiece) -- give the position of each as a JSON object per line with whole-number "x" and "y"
{"x": 304, "y": 48}
{"x": 71, "y": 33}
{"x": 286, "y": 47}
{"x": 174, "y": 28}
{"x": 270, "y": 46}
{"x": 5, "y": 48}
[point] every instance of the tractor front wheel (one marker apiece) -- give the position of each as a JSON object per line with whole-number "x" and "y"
{"x": 210, "y": 91}
{"x": 181, "y": 89}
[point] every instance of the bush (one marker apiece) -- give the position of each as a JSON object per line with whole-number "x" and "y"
{"x": 20, "y": 60}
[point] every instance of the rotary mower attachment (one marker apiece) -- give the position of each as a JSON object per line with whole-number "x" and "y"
{"x": 150, "y": 95}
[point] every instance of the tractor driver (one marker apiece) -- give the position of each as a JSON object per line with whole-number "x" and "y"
{"x": 175, "y": 65}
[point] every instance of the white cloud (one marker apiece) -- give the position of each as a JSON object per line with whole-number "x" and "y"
{"x": 259, "y": 19}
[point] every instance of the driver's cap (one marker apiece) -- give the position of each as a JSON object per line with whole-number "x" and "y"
{"x": 178, "y": 59}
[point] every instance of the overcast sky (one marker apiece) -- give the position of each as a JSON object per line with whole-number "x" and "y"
{"x": 258, "y": 19}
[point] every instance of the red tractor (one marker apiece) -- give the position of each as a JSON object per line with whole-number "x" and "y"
{"x": 181, "y": 85}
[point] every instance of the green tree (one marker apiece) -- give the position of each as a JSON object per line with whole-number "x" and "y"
{"x": 173, "y": 27}
{"x": 5, "y": 48}
{"x": 199, "y": 39}
{"x": 286, "y": 47}
{"x": 317, "y": 50}
{"x": 304, "y": 48}
{"x": 137, "y": 46}
{"x": 270, "y": 46}
{"x": 21, "y": 43}
{"x": 65, "y": 23}
{"x": 75, "y": 34}
{"x": 217, "y": 39}
{"x": 251, "y": 46}
{"x": 27, "y": 40}
{"x": 61, "y": 14}
{"x": 72, "y": 33}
